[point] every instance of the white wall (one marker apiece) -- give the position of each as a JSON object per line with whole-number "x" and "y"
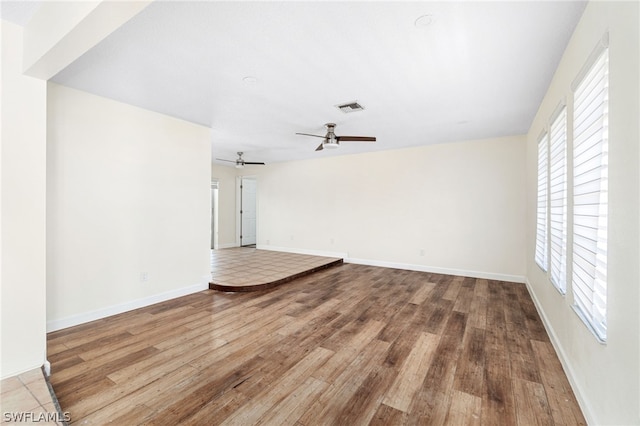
{"x": 23, "y": 210}
{"x": 128, "y": 194}
{"x": 452, "y": 208}
{"x": 605, "y": 378}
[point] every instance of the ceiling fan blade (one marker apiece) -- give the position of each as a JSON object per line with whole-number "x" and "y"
{"x": 309, "y": 134}
{"x": 356, "y": 138}
{"x": 250, "y": 162}
{"x": 320, "y": 147}
{"x": 222, "y": 159}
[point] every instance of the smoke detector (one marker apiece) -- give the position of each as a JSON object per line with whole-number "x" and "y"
{"x": 350, "y": 107}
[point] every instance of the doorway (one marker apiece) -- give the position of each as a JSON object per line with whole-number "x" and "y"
{"x": 248, "y": 211}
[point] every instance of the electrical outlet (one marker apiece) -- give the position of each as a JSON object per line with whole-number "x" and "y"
{"x": 421, "y": 252}
{"x": 144, "y": 277}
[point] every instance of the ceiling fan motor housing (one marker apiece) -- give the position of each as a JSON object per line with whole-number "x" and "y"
{"x": 331, "y": 141}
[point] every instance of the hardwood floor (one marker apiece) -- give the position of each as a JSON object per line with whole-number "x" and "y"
{"x": 348, "y": 345}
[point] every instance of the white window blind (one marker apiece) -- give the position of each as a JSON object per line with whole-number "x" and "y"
{"x": 558, "y": 198}
{"x": 590, "y": 186}
{"x": 542, "y": 248}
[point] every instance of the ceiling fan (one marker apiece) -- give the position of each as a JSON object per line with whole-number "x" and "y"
{"x": 331, "y": 140}
{"x": 239, "y": 161}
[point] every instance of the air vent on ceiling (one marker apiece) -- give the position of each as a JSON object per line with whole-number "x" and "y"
{"x": 350, "y": 107}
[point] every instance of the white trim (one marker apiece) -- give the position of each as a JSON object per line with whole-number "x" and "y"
{"x": 586, "y": 408}
{"x": 21, "y": 371}
{"x": 396, "y": 265}
{"x": 439, "y": 270}
{"x": 303, "y": 251}
{"x": 600, "y": 47}
{"x": 59, "y": 324}
{"x": 556, "y": 112}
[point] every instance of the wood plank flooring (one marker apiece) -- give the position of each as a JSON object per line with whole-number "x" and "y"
{"x": 349, "y": 345}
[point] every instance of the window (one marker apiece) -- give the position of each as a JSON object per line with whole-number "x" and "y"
{"x": 590, "y": 185}
{"x": 541, "y": 224}
{"x": 558, "y": 198}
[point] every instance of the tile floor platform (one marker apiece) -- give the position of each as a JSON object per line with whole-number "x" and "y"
{"x": 250, "y": 269}
{"x": 28, "y": 399}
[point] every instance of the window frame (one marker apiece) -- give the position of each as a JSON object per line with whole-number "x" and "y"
{"x": 590, "y": 219}
{"x": 558, "y": 200}
{"x": 542, "y": 206}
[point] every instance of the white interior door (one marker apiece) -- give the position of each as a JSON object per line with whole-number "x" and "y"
{"x": 214, "y": 214}
{"x": 248, "y": 211}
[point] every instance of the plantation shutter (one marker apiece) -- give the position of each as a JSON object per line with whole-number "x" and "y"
{"x": 590, "y": 186}
{"x": 541, "y": 221}
{"x": 558, "y": 198}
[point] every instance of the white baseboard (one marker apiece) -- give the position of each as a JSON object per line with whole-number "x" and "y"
{"x": 587, "y": 411}
{"x": 439, "y": 270}
{"x": 229, "y": 245}
{"x": 59, "y": 324}
{"x": 304, "y": 251}
{"x": 13, "y": 373}
{"x": 397, "y": 265}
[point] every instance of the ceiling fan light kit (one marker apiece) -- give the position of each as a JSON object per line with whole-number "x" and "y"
{"x": 331, "y": 142}
{"x": 330, "y": 145}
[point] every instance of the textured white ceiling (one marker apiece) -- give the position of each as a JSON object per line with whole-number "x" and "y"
{"x": 479, "y": 70}
{"x": 18, "y": 12}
